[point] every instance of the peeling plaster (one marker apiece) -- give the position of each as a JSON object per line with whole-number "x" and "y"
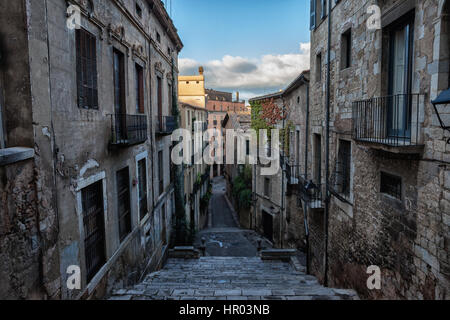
{"x": 89, "y": 165}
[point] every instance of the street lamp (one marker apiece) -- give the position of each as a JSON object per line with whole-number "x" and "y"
{"x": 443, "y": 98}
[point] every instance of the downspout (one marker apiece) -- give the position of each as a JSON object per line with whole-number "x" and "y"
{"x": 283, "y": 166}
{"x": 305, "y": 206}
{"x": 327, "y": 148}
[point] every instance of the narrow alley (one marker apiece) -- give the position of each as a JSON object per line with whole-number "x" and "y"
{"x": 231, "y": 268}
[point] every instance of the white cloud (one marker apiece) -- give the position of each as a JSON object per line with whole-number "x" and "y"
{"x": 250, "y": 76}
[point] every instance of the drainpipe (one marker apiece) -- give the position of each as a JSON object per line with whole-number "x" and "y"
{"x": 327, "y": 150}
{"x": 305, "y": 206}
{"x": 283, "y": 166}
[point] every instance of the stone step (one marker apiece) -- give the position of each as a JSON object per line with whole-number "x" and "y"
{"x": 230, "y": 278}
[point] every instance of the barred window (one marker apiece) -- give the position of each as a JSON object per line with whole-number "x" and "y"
{"x": 142, "y": 188}
{"x": 94, "y": 228}
{"x": 123, "y": 202}
{"x": 391, "y": 185}
{"x": 343, "y": 167}
{"x": 86, "y": 48}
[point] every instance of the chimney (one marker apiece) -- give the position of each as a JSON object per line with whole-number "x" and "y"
{"x": 200, "y": 70}
{"x": 237, "y": 96}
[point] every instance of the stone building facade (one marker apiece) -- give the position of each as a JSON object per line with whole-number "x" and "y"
{"x": 196, "y": 175}
{"x": 276, "y": 211}
{"x": 389, "y": 158}
{"x": 90, "y": 102}
{"x": 223, "y": 101}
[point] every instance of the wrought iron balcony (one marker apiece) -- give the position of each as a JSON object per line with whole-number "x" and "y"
{"x": 394, "y": 123}
{"x": 310, "y": 192}
{"x": 127, "y": 129}
{"x": 165, "y": 125}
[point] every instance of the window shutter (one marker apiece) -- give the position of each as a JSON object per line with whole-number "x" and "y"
{"x": 86, "y": 49}
{"x": 313, "y": 14}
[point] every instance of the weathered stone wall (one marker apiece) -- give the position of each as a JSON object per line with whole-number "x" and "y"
{"x": 20, "y": 249}
{"x": 407, "y": 238}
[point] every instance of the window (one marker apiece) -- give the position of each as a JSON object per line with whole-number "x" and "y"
{"x": 123, "y": 202}
{"x": 391, "y": 185}
{"x": 142, "y": 188}
{"x": 138, "y": 11}
{"x": 400, "y": 75}
{"x": 160, "y": 172}
{"x": 346, "y": 49}
{"x": 323, "y": 5}
{"x": 312, "y": 14}
{"x": 298, "y": 100}
{"x": 158, "y": 37}
{"x": 343, "y": 167}
{"x": 319, "y": 67}
{"x": 169, "y": 51}
{"x": 317, "y": 158}
{"x": 86, "y": 53}
{"x": 140, "y": 108}
{"x": 247, "y": 147}
{"x": 267, "y": 187}
{"x": 119, "y": 82}
{"x": 159, "y": 102}
{"x": 94, "y": 228}
{"x": 169, "y": 96}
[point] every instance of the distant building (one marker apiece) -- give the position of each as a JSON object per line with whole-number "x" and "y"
{"x": 276, "y": 212}
{"x": 196, "y": 176}
{"x": 191, "y": 89}
{"x": 223, "y": 102}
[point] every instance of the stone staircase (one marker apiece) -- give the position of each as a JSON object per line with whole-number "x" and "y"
{"x": 230, "y": 278}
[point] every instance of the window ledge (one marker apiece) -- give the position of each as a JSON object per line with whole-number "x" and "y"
{"x": 16, "y": 154}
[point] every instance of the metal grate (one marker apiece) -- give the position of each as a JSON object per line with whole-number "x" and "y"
{"x": 165, "y": 125}
{"x": 94, "y": 228}
{"x": 391, "y": 185}
{"x": 123, "y": 202}
{"x": 128, "y": 129}
{"x": 392, "y": 120}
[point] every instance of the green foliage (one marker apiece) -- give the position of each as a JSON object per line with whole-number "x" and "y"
{"x": 258, "y": 122}
{"x": 242, "y": 188}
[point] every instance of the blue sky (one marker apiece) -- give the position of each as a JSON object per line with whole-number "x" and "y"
{"x": 254, "y": 46}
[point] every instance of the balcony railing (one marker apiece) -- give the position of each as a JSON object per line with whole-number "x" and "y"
{"x": 127, "y": 129}
{"x": 310, "y": 192}
{"x": 393, "y": 121}
{"x": 165, "y": 125}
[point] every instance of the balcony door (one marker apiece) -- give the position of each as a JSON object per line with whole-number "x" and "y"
{"x": 119, "y": 94}
{"x": 401, "y": 48}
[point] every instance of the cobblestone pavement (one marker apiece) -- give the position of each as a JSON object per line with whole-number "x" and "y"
{"x": 224, "y": 237}
{"x": 231, "y": 269}
{"x": 230, "y": 278}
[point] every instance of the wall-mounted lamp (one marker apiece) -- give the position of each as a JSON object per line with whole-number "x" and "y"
{"x": 443, "y": 98}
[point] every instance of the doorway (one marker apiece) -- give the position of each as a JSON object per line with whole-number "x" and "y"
{"x": 400, "y": 74}
{"x": 267, "y": 222}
